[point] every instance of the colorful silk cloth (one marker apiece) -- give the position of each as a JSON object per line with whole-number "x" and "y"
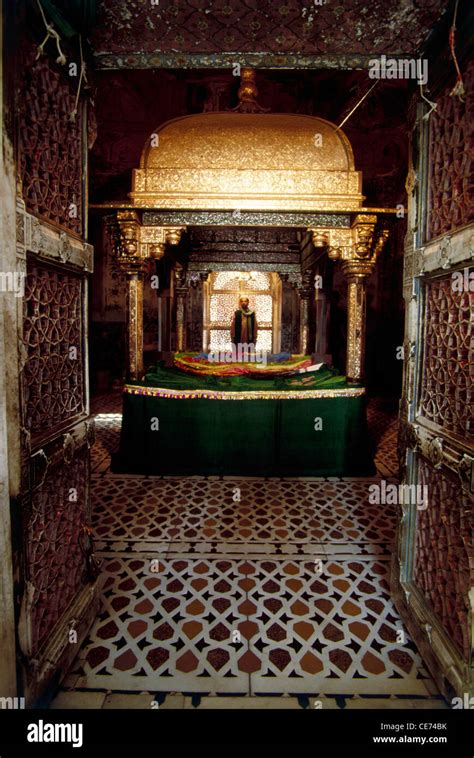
{"x": 203, "y": 364}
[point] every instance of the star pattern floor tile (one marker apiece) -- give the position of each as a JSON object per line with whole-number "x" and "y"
{"x": 168, "y": 626}
{"x": 204, "y": 516}
{"x": 279, "y": 627}
{"x": 330, "y": 627}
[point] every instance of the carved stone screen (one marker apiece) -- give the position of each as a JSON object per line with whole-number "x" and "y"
{"x": 447, "y": 388}
{"x": 53, "y": 375}
{"x": 441, "y": 567}
{"x": 226, "y": 288}
{"x": 50, "y": 147}
{"x": 451, "y": 182}
{"x": 222, "y": 307}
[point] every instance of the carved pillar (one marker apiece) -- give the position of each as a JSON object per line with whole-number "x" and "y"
{"x": 194, "y": 316}
{"x": 181, "y": 290}
{"x": 321, "y": 335}
{"x": 131, "y": 262}
{"x": 289, "y": 314}
{"x": 136, "y": 244}
{"x": 135, "y": 323}
{"x": 357, "y": 248}
{"x": 206, "y": 333}
{"x": 305, "y": 293}
{"x": 355, "y": 326}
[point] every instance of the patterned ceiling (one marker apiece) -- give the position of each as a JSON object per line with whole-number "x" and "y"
{"x": 134, "y": 33}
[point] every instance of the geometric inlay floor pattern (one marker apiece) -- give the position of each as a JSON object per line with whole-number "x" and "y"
{"x": 250, "y": 626}
{"x": 220, "y": 585}
{"x": 202, "y": 515}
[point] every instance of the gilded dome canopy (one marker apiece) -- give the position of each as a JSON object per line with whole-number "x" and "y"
{"x": 248, "y": 161}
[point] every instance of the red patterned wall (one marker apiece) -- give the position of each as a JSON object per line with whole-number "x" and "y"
{"x": 207, "y": 26}
{"x": 49, "y": 142}
{"x": 447, "y": 389}
{"x": 443, "y": 544}
{"x": 451, "y": 161}
{"x": 53, "y": 535}
{"x": 53, "y": 376}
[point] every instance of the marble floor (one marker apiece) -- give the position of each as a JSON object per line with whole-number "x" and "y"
{"x": 225, "y": 592}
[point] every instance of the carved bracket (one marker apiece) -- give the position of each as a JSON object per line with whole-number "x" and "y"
{"x": 128, "y": 254}
{"x": 356, "y": 247}
{"x": 137, "y": 243}
{"x": 153, "y": 239}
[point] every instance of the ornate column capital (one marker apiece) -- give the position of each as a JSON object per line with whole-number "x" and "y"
{"x": 137, "y": 243}
{"x": 153, "y": 239}
{"x": 194, "y": 278}
{"x": 357, "y": 247}
{"x": 179, "y": 274}
{"x": 128, "y": 254}
{"x": 320, "y": 236}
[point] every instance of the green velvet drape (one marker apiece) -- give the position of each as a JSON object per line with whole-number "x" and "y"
{"x": 244, "y": 437}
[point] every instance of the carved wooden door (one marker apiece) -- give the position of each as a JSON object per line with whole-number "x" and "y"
{"x": 55, "y": 568}
{"x": 433, "y": 572}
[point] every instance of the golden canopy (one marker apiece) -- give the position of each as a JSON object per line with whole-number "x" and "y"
{"x": 248, "y": 161}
